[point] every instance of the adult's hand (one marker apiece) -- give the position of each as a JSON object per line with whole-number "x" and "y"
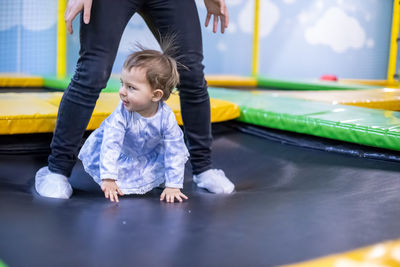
{"x": 218, "y": 10}
{"x": 73, "y": 9}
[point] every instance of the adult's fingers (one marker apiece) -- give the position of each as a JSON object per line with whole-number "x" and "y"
{"x": 207, "y": 19}
{"x": 68, "y": 21}
{"x": 162, "y": 196}
{"x": 215, "y": 23}
{"x": 222, "y": 24}
{"x": 183, "y": 195}
{"x": 87, "y": 6}
{"x": 226, "y": 17}
{"x": 70, "y": 16}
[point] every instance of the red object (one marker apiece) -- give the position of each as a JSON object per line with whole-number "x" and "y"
{"x": 328, "y": 77}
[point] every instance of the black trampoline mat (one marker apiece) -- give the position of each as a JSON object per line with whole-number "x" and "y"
{"x": 291, "y": 204}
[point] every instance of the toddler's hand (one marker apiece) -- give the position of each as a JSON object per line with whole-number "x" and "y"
{"x": 111, "y": 189}
{"x": 171, "y": 193}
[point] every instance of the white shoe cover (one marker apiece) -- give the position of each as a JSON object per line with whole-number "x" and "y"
{"x": 214, "y": 181}
{"x": 50, "y": 184}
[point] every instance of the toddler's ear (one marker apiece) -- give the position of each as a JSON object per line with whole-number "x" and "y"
{"x": 157, "y": 95}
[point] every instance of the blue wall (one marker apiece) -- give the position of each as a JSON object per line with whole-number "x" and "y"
{"x": 347, "y": 38}
{"x": 28, "y": 36}
{"x": 298, "y": 38}
{"x": 305, "y": 39}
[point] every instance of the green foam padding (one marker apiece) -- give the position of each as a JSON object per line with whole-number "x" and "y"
{"x": 62, "y": 84}
{"x": 56, "y": 83}
{"x": 264, "y": 82}
{"x": 114, "y": 84}
{"x": 371, "y": 127}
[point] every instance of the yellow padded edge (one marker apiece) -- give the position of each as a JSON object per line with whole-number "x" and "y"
{"x": 382, "y": 98}
{"x": 18, "y": 80}
{"x": 382, "y": 254}
{"x": 231, "y": 80}
{"x": 382, "y": 83}
{"x": 22, "y": 113}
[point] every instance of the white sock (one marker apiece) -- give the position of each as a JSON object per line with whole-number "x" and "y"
{"x": 214, "y": 181}
{"x": 50, "y": 184}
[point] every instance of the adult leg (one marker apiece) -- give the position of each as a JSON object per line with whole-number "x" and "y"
{"x": 180, "y": 18}
{"x": 99, "y": 42}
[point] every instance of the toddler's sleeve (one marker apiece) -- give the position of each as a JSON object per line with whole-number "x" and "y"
{"x": 176, "y": 153}
{"x": 114, "y": 133}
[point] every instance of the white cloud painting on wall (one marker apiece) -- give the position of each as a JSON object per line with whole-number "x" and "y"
{"x": 337, "y": 30}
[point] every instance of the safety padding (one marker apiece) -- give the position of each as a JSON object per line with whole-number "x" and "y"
{"x": 230, "y": 81}
{"x": 19, "y": 80}
{"x": 37, "y": 112}
{"x": 114, "y": 82}
{"x": 381, "y": 83}
{"x": 382, "y": 98}
{"x": 112, "y": 86}
{"x": 382, "y": 254}
{"x": 269, "y": 83}
{"x": 22, "y": 80}
{"x": 233, "y": 81}
{"x": 372, "y": 127}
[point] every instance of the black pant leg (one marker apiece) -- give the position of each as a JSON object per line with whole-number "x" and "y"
{"x": 180, "y": 18}
{"x": 99, "y": 41}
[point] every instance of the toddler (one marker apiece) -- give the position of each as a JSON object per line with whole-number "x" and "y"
{"x": 140, "y": 145}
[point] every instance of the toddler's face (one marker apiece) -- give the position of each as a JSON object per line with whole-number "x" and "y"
{"x": 135, "y": 92}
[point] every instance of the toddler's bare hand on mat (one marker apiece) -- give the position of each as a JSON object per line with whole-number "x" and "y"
{"x": 111, "y": 189}
{"x": 169, "y": 194}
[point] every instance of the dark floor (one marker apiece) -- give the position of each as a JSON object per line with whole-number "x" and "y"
{"x": 292, "y": 204}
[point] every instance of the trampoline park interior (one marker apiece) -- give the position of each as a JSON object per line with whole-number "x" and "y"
{"x": 305, "y": 105}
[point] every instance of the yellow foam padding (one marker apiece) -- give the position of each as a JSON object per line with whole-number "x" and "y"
{"x": 37, "y": 112}
{"x": 382, "y": 83}
{"x": 230, "y": 81}
{"x": 379, "y": 255}
{"x": 381, "y": 98}
{"x": 19, "y": 80}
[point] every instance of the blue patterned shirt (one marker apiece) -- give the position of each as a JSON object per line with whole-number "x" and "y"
{"x": 138, "y": 153}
